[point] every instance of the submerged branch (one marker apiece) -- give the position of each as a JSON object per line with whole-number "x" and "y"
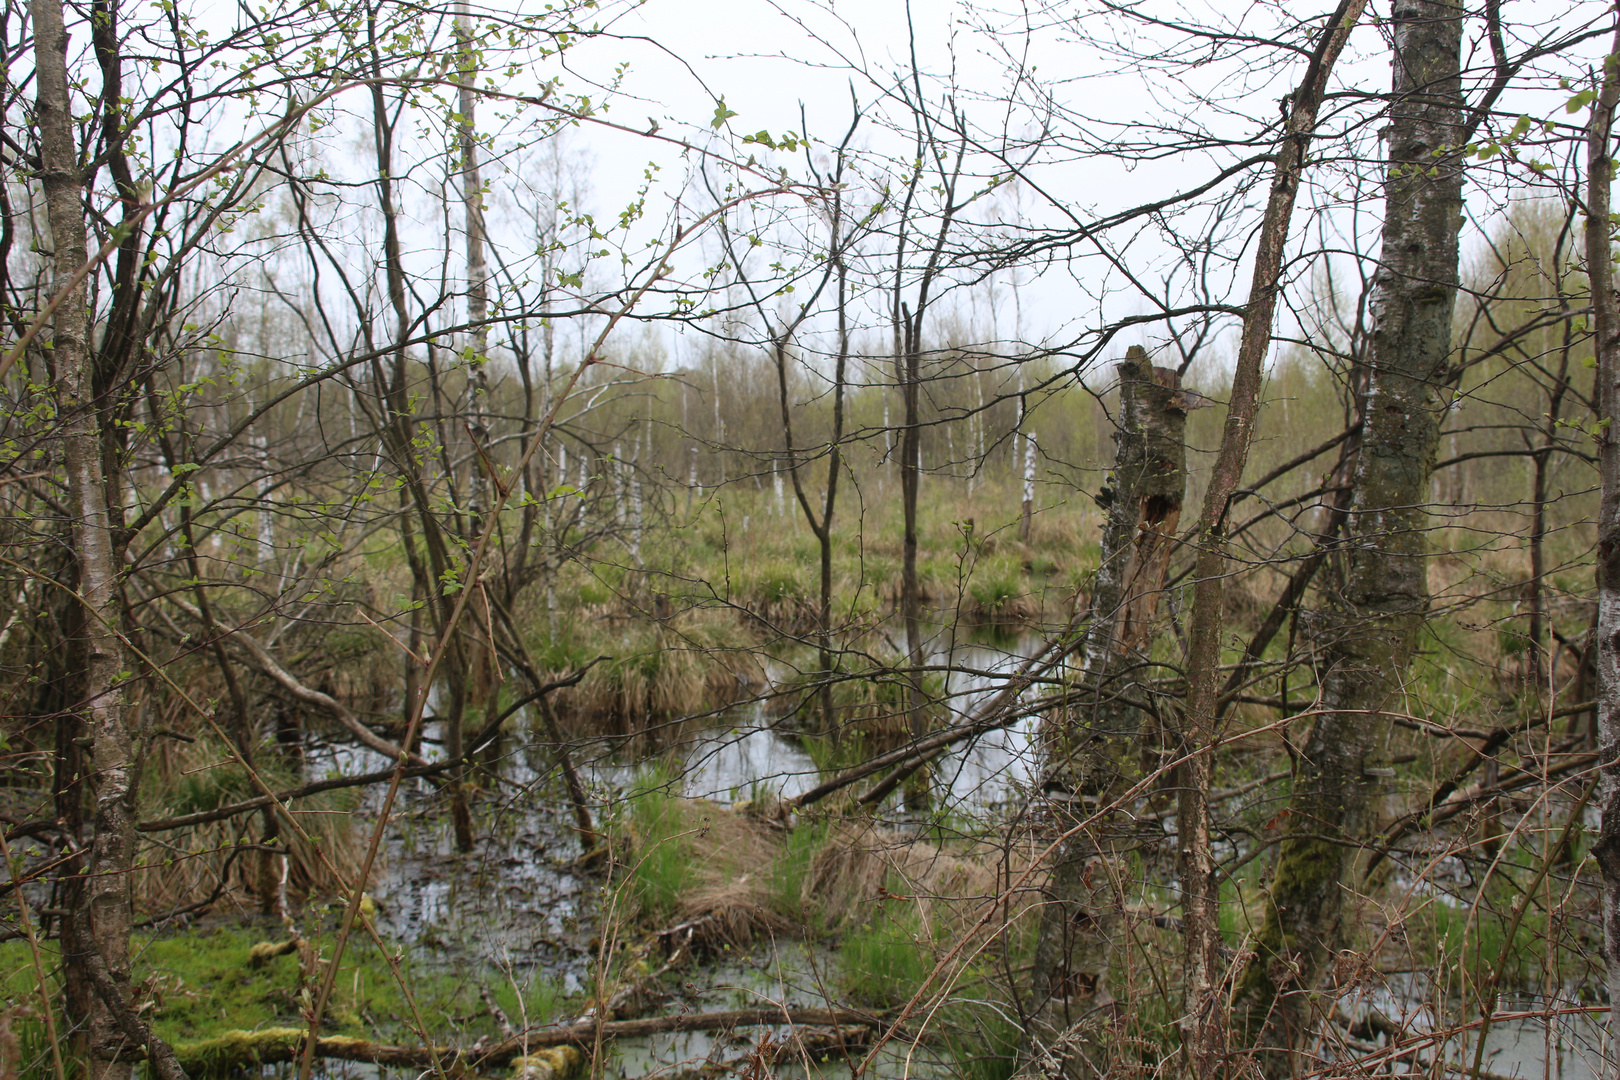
{"x": 380, "y": 776}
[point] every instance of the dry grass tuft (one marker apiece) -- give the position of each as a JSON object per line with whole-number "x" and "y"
{"x": 220, "y": 861}
{"x": 732, "y": 913}
{"x": 861, "y": 864}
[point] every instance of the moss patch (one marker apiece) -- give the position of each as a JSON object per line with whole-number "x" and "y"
{"x": 205, "y": 985}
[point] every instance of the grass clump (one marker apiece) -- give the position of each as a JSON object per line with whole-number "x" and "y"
{"x": 982, "y": 1034}
{"x": 774, "y": 581}
{"x": 791, "y": 875}
{"x": 662, "y": 851}
{"x": 997, "y": 589}
{"x": 691, "y": 861}
{"x": 694, "y": 663}
{"x": 187, "y": 867}
{"x": 883, "y": 961}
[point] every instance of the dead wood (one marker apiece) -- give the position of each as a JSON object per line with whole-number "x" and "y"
{"x": 818, "y": 1044}
{"x": 241, "y": 1049}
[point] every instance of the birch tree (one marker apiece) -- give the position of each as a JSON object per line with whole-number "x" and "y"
{"x": 1606, "y": 340}
{"x": 1370, "y": 632}
{"x": 97, "y": 945}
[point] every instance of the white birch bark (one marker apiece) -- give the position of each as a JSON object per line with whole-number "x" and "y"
{"x": 100, "y": 920}
{"x": 1606, "y": 334}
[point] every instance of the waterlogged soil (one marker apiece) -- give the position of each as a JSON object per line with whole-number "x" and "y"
{"x": 519, "y": 913}
{"x": 518, "y": 910}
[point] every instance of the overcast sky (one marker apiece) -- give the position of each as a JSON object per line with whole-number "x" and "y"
{"x": 764, "y": 59}
{"x": 793, "y": 65}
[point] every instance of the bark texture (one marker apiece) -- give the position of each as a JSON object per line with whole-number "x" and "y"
{"x": 1204, "y": 1022}
{"x": 98, "y": 938}
{"x": 480, "y": 679}
{"x": 1368, "y": 633}
{"x": 1090, "y": 753}
{"x": 1606, "y": 330}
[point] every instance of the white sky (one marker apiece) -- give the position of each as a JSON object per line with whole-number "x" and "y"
{"x": 765, "y": 60}
{"x": 737, "y": 50}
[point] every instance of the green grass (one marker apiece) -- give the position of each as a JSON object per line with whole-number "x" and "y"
{"x": 775, "y": 580}
{"x": 982, "y": 1035}
{"x": 660, "y": 839}
{"x": 996, "y": 580}
{"x": 883, "y": 961}
{"x": 790, "y": 871}
{"x": 664, "y": 866}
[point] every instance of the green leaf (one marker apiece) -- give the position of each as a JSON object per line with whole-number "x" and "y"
{"x": 721, "y": 114}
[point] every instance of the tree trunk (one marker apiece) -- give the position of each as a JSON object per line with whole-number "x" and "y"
{"x": 1606, "y": 331}
{"x": 1369, "y": 633}
{"x": 480, "y": 680}
{"x": 1203, "y": 1024}
{"x": 834, "y": 465}
{"x": 917, "y": 787}
{"x": 101, "y": 919}
{"x": 1027, "y": 517}
{"x": 1090, "y": 751}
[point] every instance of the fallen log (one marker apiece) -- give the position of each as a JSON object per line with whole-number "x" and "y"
{"x": 266, "y": 951}
{"x": 527, "y": 1051}
{"x": 557, "y": 1063}
{"x": 658, "y": 1025}
{"x": 237, "y": 1050}
{"x": 233, "y": 1050}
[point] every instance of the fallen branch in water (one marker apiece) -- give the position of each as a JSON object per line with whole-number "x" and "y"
{"x": 585, "y": 1031}
{"x": 817, "y": 1044}
{"x": 381, "y": 776}
{"x": 993, "y": 714}
{"x": 241, "y": 1049}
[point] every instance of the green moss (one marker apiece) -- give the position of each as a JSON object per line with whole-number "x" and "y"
{"x": 234, "y": 1048}
{"x": 205, "y": 983}
{"x": 554, "y": 1063}
{"x": 1307, "y": 872}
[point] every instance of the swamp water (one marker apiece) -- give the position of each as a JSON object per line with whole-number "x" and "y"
{"x": 516, "y": 914}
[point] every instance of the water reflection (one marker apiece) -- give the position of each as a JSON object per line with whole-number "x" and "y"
{"x": 752, "y": 757}
{"x": 517, "y": 905}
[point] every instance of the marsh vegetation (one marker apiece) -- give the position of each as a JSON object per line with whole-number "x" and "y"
{"x": 838, "y": 602}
